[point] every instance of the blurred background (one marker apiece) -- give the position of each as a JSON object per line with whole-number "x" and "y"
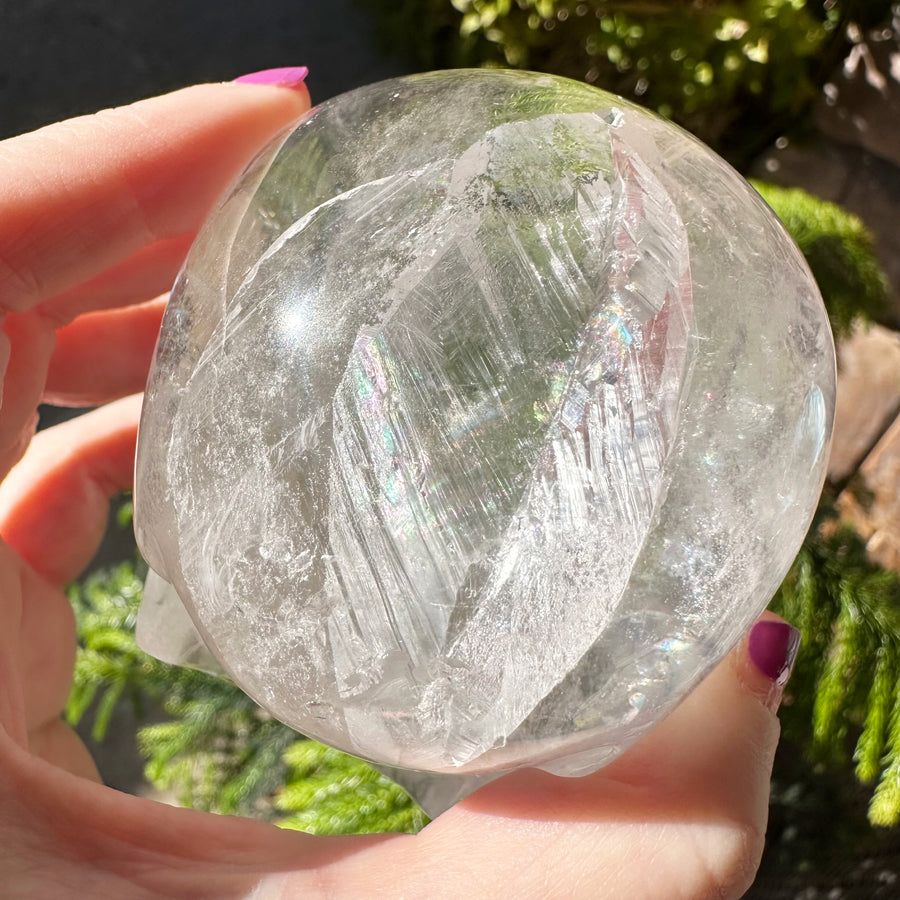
{"x": 797, "y": 93}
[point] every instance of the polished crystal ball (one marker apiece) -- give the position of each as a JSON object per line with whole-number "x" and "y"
{"x": 488, "y": 413}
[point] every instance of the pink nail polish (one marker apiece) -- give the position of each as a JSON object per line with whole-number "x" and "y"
{"x": 773, "y": 648}
{"x": 289, "y": 77}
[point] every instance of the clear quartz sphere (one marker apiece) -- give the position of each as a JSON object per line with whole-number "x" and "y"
{"x": 488, "y": 413}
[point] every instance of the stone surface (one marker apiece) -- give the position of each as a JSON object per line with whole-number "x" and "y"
{"x": 478, "y": 431}
{"x": 866, "y": 450}
{"x": 870, "y": 502}
{"x": 868, "y": 396}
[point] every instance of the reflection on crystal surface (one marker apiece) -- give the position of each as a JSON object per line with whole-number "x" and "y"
{"x": 468, "y": 413}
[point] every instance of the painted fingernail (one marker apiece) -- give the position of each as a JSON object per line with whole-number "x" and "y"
{"x": 773, "y": 648}
{"x": 289, "y": 77}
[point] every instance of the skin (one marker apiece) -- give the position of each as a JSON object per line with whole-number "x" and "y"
{"x": 95, "y": 217}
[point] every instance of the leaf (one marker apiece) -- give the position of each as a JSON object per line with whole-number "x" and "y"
{"x": 882, "y": 700}
{"x": 845, "y": 680}
{"x": 329, "y": 792}
{"x": 218, "y": 751}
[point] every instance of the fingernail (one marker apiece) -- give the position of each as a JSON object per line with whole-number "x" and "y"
{"x": 773, "y": 648}
{"x": 289, "y": 77}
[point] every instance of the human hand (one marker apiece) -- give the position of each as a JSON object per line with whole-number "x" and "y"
{"x": 95, "y": 217}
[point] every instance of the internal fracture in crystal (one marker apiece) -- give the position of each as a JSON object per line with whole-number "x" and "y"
{"x": 488, "y": 412}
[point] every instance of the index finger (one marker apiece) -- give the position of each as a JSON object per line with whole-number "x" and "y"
{"x": 83, "y": 195}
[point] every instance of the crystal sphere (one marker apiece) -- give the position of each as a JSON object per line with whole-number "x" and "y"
{"x": 488, "y": 412}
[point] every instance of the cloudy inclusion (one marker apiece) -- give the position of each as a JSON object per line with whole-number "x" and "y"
{"x": 431, "y": 521}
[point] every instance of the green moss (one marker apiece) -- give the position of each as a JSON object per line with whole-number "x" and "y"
{"x": 840, "y": 252}
{"x": 737, "y": 74}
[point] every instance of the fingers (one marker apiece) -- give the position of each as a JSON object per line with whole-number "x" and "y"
{"x": 681, "y": 815}
{"x": 60, "y": 829}
{"x": 98, "y": 211}
{"x": 29, "y": 339}
{"x": 58, "y": 495}
{"x": 718, "y": 746}
{"x": 84, "y": 195}
{"x": 53, "y": 511}
{"x": 46, "y": 656}
{"x": 104, "y": 355}
{"x": 148, "y": 273}
{"x": 56, "y": 743}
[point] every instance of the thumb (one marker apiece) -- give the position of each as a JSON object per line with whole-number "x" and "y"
{"x": 681, "y": 814}
{"x": 717, "y": 748}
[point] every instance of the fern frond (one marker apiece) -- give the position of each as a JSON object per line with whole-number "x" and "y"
{"x": 881, "y": 701}
{"x": 845, "y": 681}
{"x": 80, "y": 698}
{"x": 885, "y": 807}
{"x": 218, "y": 751}
{"x": 837, "y": 678}
{"x": 105, "y": 709}
{"x": 328, "y": 792}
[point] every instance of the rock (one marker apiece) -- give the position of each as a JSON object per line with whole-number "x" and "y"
{"x": 867, "y": 440}
{"x": 868, "y": 396}
{"x": 871, "y": 503}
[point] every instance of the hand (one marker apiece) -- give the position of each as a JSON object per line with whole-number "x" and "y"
{"x": 95, "y": 217}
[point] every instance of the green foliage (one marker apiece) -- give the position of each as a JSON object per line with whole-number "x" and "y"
{"x": 734, "y": 73}
{"x": 840, "y": 252}
{"x": 109, "y": 666}
{"x": 328, "y": 792}
{"x": 218, "y": 751}
{"x": 844, "y": 694}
